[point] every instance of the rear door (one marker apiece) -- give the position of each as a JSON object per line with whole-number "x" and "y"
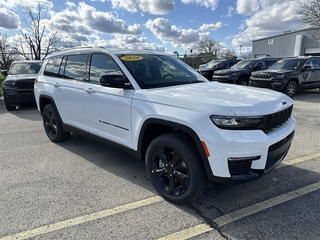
{"x": 66, "y": 75}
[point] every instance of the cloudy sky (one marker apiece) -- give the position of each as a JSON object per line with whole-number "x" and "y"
{"x": 161, "y": 25}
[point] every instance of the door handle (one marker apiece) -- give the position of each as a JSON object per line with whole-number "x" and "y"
{"x": 89, "y": 90}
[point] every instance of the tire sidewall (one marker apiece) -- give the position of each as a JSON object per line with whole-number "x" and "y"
{"x": 192, "y": 190}
{"x": 291, "y": 83}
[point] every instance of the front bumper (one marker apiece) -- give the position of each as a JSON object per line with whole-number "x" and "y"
{"x": 240, "y": 156}
{"x": 17, "y": 96}
{"x": 278, "y": 85}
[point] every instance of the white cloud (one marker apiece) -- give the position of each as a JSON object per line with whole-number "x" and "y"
{"x": 212, "y": 26}
{"x": 177, "y": 37}
{"x": 30, "y": 3}
{"x": 273, "y": 18}
{"x": 8, "y": 19}
{"x": 212, "y": 4}
{"x": 247, "y": 7}
{"x": 155, "y": 7}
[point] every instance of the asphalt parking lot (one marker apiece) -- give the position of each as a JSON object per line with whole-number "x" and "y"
{"x": 81, "y": 189}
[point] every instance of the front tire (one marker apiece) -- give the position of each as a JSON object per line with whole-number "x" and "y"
{"x": 8, "y": 106}
{"x": 175, "y": 169}
{"x": 52, "y": 125}
{"x": 243, "y": 82}
{"x": 291, "y": 89}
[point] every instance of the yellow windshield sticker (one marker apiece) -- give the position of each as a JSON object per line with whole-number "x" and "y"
{"x": 131, "y": 58}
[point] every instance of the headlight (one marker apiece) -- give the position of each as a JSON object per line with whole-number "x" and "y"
{"x": 234, "y": 74}
{"x": 239, "y": 123}
{"x": 9, "y": 83}
{"x": 280, "y": 76}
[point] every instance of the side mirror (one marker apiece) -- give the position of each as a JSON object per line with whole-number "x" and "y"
{"x": 306, "y": 68}
{"x": 4, "y": 72}
{"x": 114, "y": 81}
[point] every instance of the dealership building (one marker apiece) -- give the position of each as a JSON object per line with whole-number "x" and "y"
{"x": 291, "y": 43}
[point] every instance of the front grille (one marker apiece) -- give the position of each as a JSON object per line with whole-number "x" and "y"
{"x": 220, "y": 74}
{"x": 262, "y": 76}
{"x": 276, "y": 120}
{"x": 24, "y": 84}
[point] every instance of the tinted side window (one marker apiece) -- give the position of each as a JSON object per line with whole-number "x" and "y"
{"x": 102, "y": 65}
{"x": 53, "y": 66}
{"x": 270, "y": 63}
{"x": 76, "y": 67}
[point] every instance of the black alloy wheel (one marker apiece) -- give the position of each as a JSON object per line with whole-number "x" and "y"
{"x": 52, "y": 125}
{"x": 174, "y": 168}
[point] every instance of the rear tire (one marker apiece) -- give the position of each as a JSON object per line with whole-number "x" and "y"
{"x": 175, "y": 168}
{"x": 52, "y": 125}
{"x": 291, "y": 89}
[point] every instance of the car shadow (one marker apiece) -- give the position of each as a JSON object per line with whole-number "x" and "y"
{"x": 217, "y": 200}
{"x": 312, "y": 95}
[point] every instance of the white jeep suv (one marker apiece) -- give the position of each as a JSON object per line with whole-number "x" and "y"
{"x": 190, "y": 132}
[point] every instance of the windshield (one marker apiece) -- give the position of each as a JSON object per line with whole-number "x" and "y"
{"x": 152, "y": 71}
{"x": 247, "y": 64}
{"x": 212, "y": 64}
{"x": 24, "y": 68}
{"x": 290, "y": 64}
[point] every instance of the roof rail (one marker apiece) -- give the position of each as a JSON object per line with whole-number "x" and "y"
{"x": 70, "y": 48}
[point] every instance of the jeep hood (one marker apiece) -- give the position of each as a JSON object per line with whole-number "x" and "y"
{"x": 232, "y": 70}
{"x": 217, "y": 98}
{"x": 271, "y": 71}
{"x": 21, "y": 77}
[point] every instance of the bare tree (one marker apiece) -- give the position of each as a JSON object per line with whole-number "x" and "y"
{"x": 208, "y": 45}
{"x": 7, "y": 53}
{"x": 34, "y": 38}
{"x": 227, "y": 54}
{"x": 308, "y": 12}
{"x": 246, "y": 55}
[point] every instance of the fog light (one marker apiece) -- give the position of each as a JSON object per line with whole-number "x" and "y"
{"x": 235, "y": 159}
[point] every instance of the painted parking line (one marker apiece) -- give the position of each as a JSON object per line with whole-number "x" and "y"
{"x": 301, "y": 159}
{"x": 244, "y": 212}
{"x": 225, "y": 219}
{"x": 82, "y": 219}
{"x": 188, "y": 233}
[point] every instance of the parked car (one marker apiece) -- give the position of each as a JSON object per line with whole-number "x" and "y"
{"x": 208, "y": 69}
{"x": 18, "y": 83}
{"x": 188, "y": 130}
{"x": 289, "y": 75}
{"x": 240, "y": 73}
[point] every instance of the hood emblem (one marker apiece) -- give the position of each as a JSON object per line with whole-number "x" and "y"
{"x": 284, "y": 102}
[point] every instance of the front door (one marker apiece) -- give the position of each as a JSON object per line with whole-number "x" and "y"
{"x": 107, "y": 110}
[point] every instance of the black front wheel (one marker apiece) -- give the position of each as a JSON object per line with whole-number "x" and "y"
{"x": 52, "y": 125}
{"x": 8, "y": 106}
{"x": 175, "y": 168}
{"x": 243, "y": 82}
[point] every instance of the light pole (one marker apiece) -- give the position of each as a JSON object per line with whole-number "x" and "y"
{"x": 240, "y": 50}
{"x": 175, "y": 52}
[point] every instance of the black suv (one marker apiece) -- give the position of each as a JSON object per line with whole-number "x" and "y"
{"x": 289, "y": 75}
{"x": 214, "y": 65}
{"x": 18, "y": 83}
{"x": 240, "y": 73}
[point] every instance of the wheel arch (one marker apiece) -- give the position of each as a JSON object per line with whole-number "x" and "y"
{"x": 153, "y": 127}
{"x": 45, "y": 100}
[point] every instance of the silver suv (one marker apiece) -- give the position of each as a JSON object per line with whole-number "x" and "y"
{"x": 188, "y": 130}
